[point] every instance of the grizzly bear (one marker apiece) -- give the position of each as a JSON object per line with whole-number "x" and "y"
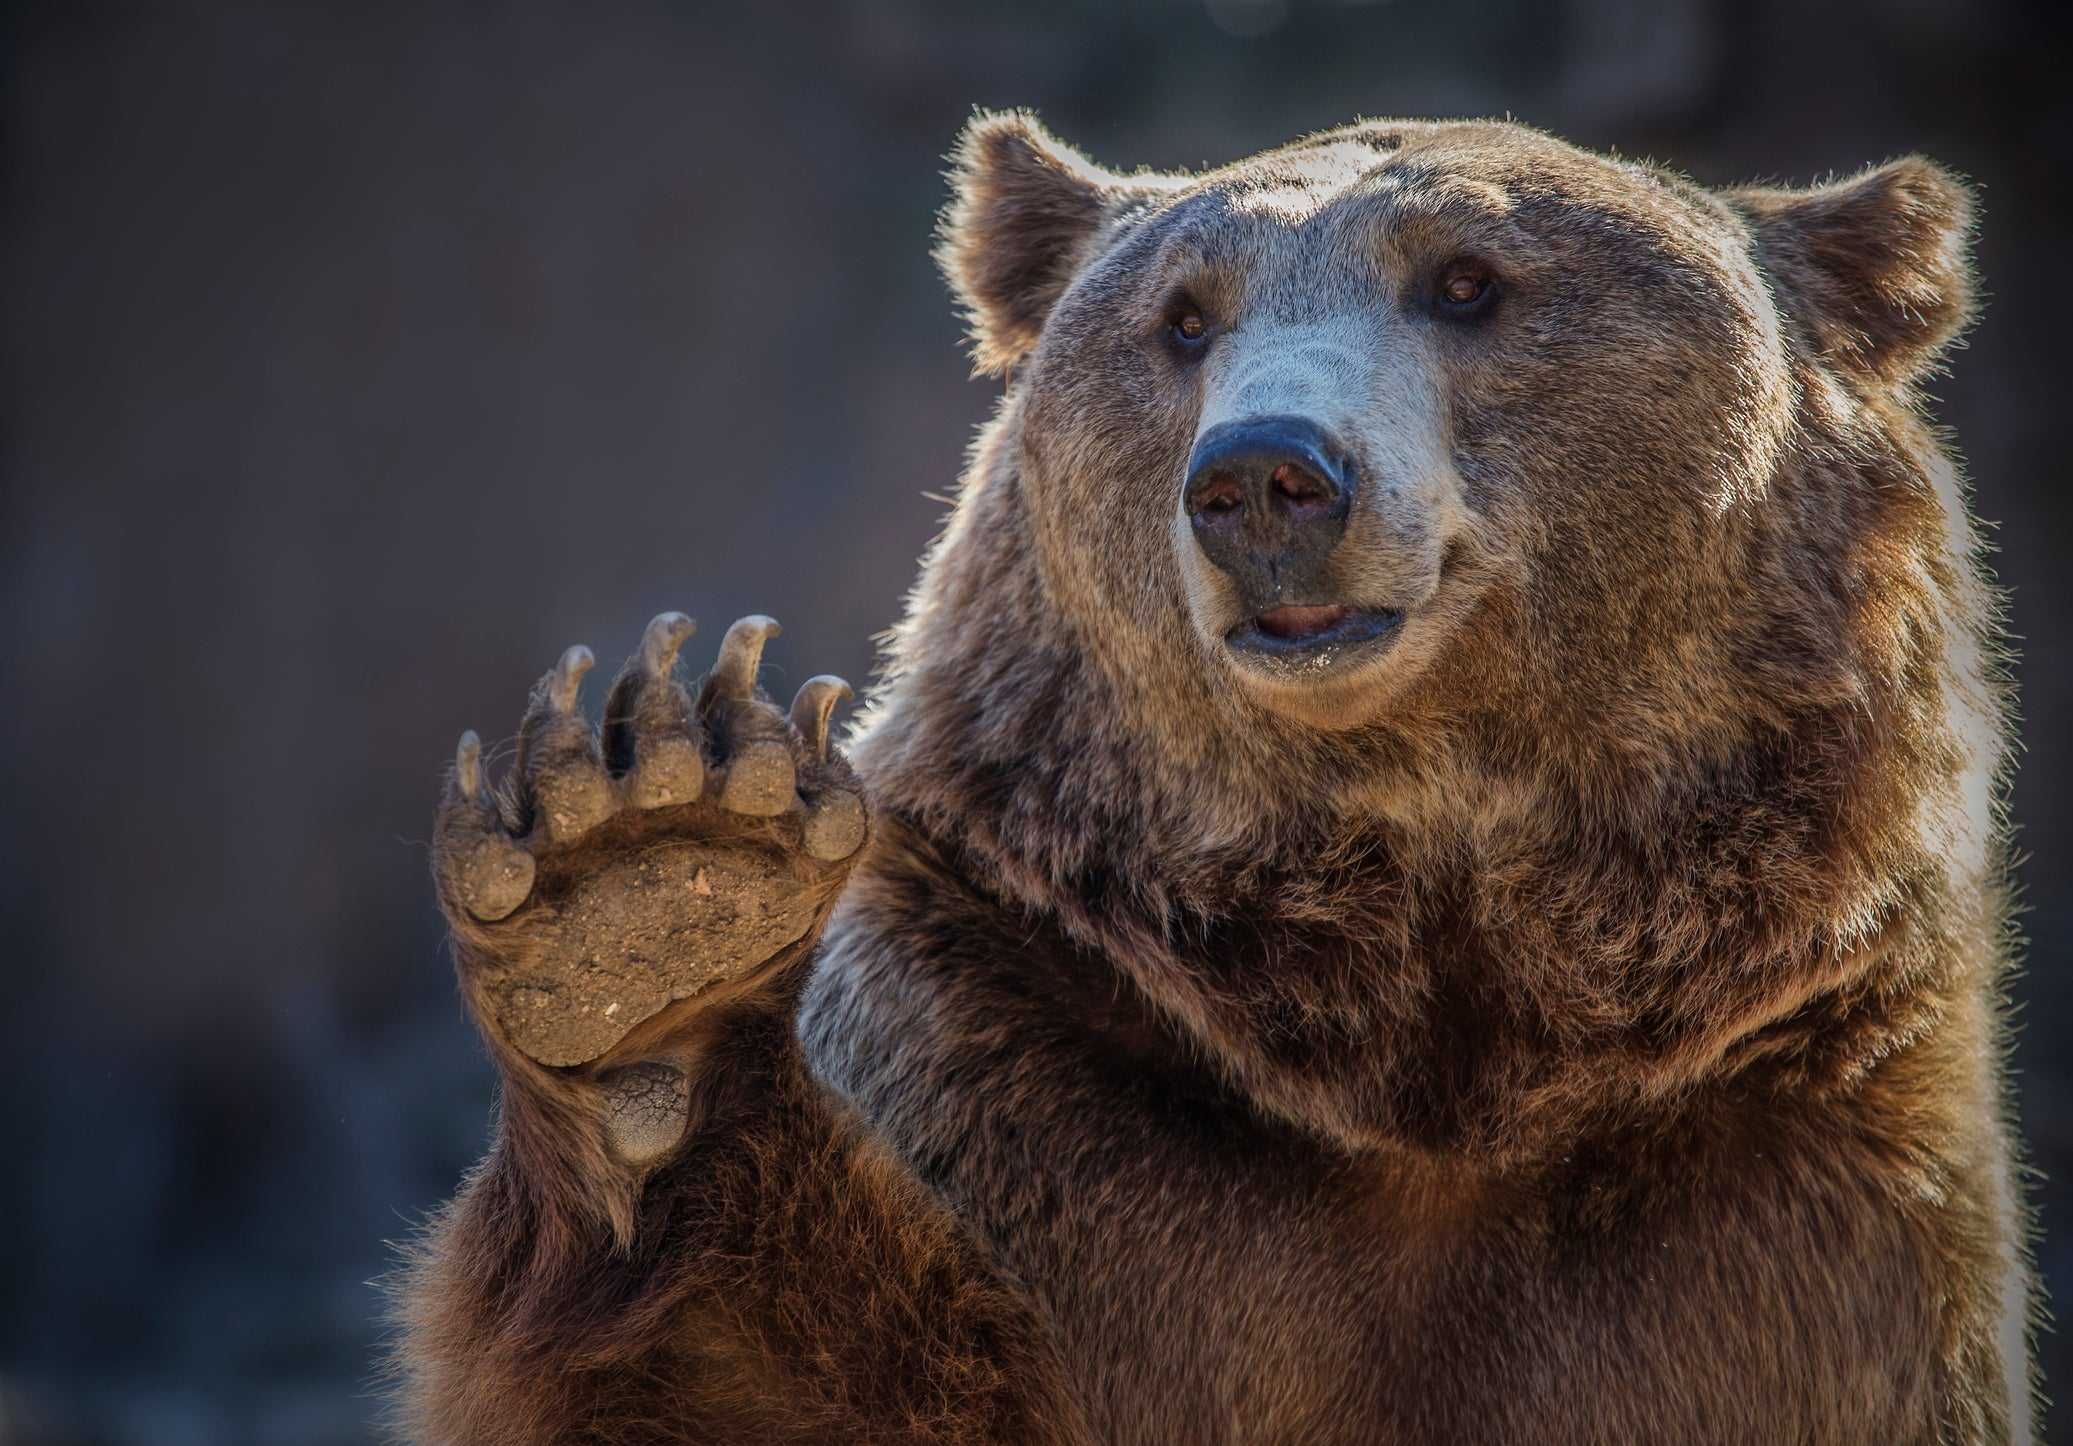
{"x": 1426, "y": 865}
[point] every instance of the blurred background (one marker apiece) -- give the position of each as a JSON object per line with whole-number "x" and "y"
{"x": 358, "y": 358}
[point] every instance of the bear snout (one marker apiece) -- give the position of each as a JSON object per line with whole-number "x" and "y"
{"x": 1267, "y": 499}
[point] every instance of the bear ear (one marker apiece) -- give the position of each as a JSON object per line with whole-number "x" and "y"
{"x": 1024, "y": 207}
{"x": 1877, "y": 267}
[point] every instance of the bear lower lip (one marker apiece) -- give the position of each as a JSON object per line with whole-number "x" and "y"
{"x": 1300, "y": 624}
{"x": 1311, "y": 639}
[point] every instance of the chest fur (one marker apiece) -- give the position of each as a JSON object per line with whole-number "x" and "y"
{"x": 1216, "y": 1276}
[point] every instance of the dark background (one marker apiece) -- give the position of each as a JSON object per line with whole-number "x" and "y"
{"x": 356, "y": 359}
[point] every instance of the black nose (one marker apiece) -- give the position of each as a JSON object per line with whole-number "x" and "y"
{"x": 1268, "y": 498}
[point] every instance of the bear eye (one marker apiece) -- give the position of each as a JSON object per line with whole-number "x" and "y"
{"x": 1187, "y": 326}
{"x": 1465, "y": 286}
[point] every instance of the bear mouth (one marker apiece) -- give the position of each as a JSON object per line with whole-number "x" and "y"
{"x": 1312, "y": 638}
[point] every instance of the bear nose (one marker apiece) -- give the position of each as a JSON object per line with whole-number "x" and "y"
{"x": 1268, "y": 498}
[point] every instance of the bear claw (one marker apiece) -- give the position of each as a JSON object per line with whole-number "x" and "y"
{"x": 813, "y": 706}
{"x": 566, "y": 684}
{"x": 467, "y": 766}
{"x": 741, "y": 654}
{"x": 660, "y": 643}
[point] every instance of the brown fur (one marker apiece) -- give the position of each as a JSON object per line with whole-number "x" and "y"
{"x": 1588, "y": 1031}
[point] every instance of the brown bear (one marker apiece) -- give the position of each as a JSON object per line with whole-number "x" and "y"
{"x": 1426, "y": 865}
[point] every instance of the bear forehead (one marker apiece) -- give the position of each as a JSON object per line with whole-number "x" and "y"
{"x": 1497, "y": 177}
{"x": 1402, "y": 193}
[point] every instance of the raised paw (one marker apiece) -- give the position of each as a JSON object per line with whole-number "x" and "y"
{"x": 698, "y": 835}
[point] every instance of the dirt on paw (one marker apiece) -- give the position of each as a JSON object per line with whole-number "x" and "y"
{"x": 644, "y": 931}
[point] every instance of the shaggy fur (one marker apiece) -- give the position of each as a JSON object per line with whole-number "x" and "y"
{"x": 1583, "y": 1026}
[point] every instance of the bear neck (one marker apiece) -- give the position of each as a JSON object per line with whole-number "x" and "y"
{"x": 1481, "y": 965}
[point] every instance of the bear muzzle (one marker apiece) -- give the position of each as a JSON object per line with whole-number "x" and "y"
{"x": 1267, "y": 499}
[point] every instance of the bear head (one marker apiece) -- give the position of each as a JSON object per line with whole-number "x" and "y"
{"x": 1315, "y": 407}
